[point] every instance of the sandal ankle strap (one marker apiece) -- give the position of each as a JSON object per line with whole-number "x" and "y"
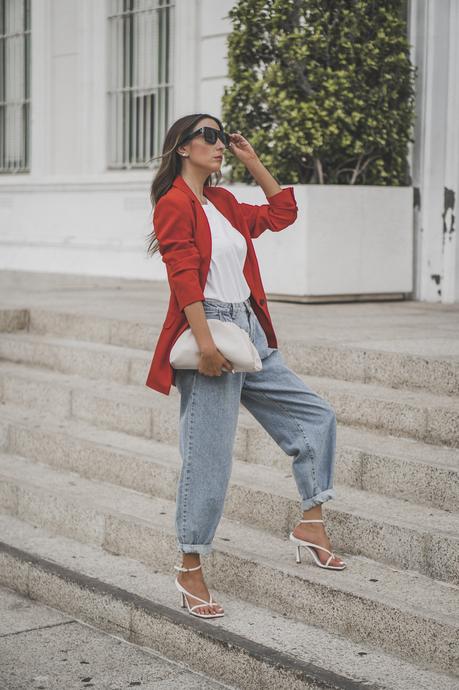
{"x": 311, "y": 520}
{"x": 185, "y": 570}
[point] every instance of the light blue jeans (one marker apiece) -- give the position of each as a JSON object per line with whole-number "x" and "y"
{"x": 301, "y": 422}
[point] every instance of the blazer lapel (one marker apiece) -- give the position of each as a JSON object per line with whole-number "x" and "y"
{"x": 220, "y": 201}
{"x": 202, "y": 233}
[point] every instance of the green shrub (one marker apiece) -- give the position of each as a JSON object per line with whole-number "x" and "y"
{"x": 323, "y": 89}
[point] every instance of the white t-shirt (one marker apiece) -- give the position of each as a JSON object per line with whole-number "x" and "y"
{"x": 225, "y": 279}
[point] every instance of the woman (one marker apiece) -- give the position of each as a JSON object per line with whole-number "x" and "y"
{"x": 205, "y": 238}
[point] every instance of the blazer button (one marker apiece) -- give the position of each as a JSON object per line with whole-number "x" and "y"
{"x": 262, "y": 301}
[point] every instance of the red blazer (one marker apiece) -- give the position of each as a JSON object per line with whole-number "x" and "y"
{"x": 184, "y": 237}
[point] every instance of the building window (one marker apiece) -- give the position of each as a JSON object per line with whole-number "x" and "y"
{"x": 139, "y": 80}
{"x": 14, "y": 85}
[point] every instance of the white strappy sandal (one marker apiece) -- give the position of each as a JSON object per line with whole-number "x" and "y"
{"x": 183, "y": 591}
{"x": 311, "y": 548}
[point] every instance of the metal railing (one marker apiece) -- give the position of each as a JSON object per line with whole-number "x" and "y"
{"x": 14, "y": 85}
{"x": 139, "y": 79}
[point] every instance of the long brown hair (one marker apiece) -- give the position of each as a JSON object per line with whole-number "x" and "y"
{"x": 171, "y": 164}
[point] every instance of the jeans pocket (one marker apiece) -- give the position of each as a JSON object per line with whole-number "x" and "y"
{"x": 212, "y": 313}
{"x": 242, "y": 321}
{"x": 260, "y": 331}
{"x": 260, "y": 339}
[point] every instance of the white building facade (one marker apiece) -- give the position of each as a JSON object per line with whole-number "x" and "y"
{"x": 89, "y": 88}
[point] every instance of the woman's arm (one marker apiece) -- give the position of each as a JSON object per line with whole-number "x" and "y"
{"x": 174, "y": 232}
{"x": 262, "y": 176}
{"x": 281, "y": 209}
{"x": 211, "y": 360}
{"x": 182, "y": 258}
{"x": 199, "y": 327}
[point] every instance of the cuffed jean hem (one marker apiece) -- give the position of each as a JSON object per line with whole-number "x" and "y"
{"x": 316, "y": 500}
{"x": 203, "y": 549}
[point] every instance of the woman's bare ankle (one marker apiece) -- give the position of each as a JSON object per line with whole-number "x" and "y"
{"x": 191, "y": 560}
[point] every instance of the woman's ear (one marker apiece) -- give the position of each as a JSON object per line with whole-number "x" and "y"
{"x": 182, "y": 152}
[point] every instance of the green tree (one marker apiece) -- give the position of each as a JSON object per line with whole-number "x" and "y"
{"x": 323, "y": 89}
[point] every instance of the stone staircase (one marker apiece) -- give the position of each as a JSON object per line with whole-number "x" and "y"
{"x": 89, "y": 465}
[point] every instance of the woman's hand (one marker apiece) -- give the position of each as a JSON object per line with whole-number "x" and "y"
{"x": 241, "y": 148}
{"x": 212, "y": 361}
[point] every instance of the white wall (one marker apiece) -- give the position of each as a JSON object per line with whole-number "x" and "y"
{"x": 71, "y": 214}
{"x": 434, "y": 28}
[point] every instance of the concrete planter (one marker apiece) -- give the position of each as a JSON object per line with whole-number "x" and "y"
{"x": 348, "y": 242}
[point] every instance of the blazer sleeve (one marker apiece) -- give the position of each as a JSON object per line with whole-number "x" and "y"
{"x": 174, "y": 232}
{"x": 280, "y": 212}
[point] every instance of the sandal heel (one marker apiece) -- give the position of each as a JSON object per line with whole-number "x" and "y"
{"x": 312, "y": 550}
{"x": 184, "y": 601}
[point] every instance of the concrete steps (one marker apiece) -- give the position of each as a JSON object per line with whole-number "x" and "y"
{"x": 383, "y": 528}
{"x": 420, "y": 471}
{"x": 400, "y": 612}
{"x": 360, "y": 362}
{"x": 420, "y": 415}
{"x": 89, "y": 464}
{"x": 252, "y": 646}
{"x": 34, "y": 637}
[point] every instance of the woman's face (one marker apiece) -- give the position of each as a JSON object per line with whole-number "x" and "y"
{"x": 199, "y": 153}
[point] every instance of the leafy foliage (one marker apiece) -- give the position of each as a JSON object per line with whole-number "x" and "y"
{"x": 322, "y": 89}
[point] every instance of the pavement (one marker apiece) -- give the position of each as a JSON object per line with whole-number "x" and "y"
{"x": 44, "y": 649}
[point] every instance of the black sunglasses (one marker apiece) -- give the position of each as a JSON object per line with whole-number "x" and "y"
{"x": 210, "y": 136}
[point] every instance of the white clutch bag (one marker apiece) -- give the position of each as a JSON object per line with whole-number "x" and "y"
{"x": 231, "y": 340}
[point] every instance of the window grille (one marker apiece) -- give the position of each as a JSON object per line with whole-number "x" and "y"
{"x": 14, "y": 85}
{"x": 139, "y": 80}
